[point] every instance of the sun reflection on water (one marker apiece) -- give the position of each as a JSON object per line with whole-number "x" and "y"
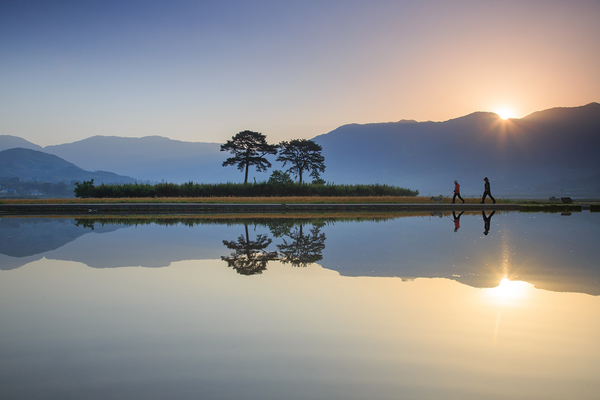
{"x": 507, "y": 293}
{"x": 510, "y": 292}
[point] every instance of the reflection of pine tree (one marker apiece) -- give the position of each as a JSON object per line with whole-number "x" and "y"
{"x": 302, "y": 250}
{"x": 250, "y": 256}
{"x": 280, "y": 227}
{"x": 85, "y": 223}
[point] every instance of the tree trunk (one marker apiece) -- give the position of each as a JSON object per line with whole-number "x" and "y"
{"x": 300, "y": 174}
{"x": 246, "y": 178}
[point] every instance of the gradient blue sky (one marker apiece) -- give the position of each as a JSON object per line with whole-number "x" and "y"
{"x": 203, "y": 71}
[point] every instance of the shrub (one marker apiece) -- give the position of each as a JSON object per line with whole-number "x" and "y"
{"x": 85, "y": 189}
{"x": 280, "y": 178}
{"x": 279, "y": 186}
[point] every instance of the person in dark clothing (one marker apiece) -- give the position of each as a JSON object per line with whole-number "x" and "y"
{"x": 486, "y": 222}
{"x": 487, "y": 191}
{"x": 456, "y": 192}
{"x": 457, "y": 220}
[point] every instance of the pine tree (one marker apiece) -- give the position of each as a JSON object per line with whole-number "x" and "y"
{"x": 249, "y": 148}
{"x": 303, "y": 155}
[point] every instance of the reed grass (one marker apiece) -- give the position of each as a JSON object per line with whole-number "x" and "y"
{"x": 260, "y": 189}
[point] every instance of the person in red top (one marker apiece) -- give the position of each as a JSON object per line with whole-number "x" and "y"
{"x": 456, "y": 192}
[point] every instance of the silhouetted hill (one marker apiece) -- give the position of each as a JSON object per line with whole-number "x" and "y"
{"x": 33, "y": 165}
{"x": 550, "y": 152}
{"x": 151, "y": 158}
{"x": 11, "y": 142}
{"x": 518, "y": 155}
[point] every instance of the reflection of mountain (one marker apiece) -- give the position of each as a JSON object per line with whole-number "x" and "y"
{"x": 551, "y": 251}
{"x": 8, "y": 262}
{"x": 26, "y": 238}
{"x": 146, "y": 246}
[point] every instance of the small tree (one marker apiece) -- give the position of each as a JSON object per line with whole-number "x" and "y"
{"x": 280, "y": 178}
{"x": 249, "y": 148}
{"x": 303, "y": 155}
{"x": 85, "y": 189}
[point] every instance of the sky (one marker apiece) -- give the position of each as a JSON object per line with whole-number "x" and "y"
{"x": 202, "y": 71}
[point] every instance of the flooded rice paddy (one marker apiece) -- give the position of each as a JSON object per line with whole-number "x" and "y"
{"x": 444, "y": 305}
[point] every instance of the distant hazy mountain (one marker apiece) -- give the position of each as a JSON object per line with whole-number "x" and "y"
{"x": 151, "y": 158}
{"x": 11, "y": 142}
{"x": 520, "y": 156}
{"x": 37, "y": 166}
{"x": 550, "y": 152}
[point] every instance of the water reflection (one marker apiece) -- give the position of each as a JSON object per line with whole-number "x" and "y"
{"x": 302, "y": 249}
{"x": 487, "y": 220}
{"x": 547, "y": 250}
{"x": 342, "y": 327}
{"x": 250, "y": 256}
{"x": 298, "y": 249}
{"x": 457, "y": 220}
{"x": 508, "y": 291}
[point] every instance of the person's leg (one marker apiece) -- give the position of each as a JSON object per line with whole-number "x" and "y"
{"x": 493, "y": 199}
{"x": 463, "y": 200}
{"x": 454, "y": 197}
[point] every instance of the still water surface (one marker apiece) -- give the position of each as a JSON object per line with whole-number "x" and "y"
{"x": 409, "y": 307}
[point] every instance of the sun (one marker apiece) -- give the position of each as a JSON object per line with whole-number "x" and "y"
{"x": 505, "y": 113}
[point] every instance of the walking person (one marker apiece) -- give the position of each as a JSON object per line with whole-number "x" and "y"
{"x": 487, "y": 191}
{"x": 457, "y": 192}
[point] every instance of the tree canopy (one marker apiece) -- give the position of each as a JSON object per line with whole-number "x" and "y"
{"x": 302, "y": 155}
{"x": 280, "y": 178}
{"x": 249, "y": 148}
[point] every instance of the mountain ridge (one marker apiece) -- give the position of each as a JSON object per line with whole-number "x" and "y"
{"x": 520, "y": 156}
{"x": 33, "y": 165}
{"x": 165, "y": 158}
{"x": 517, "y": 154}
{"x": 12, "y": 142}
